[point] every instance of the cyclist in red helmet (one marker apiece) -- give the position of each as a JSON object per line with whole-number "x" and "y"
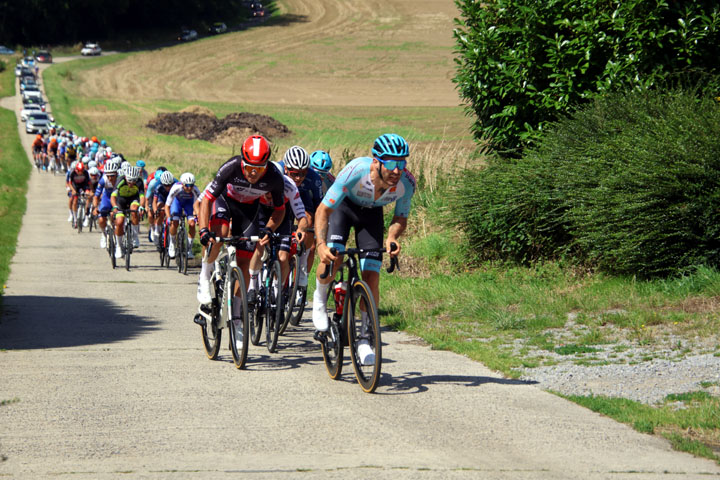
{"x": 79, "y": 182}
{"x": 235, "y": 192}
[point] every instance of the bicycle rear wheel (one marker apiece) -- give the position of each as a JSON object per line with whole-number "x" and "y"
{"x": 80, "y": 216}
{"x": 237, "y": 318}
{"x": 291, "y": 293}
{"x": 111, "y": 247}
{"x": 274, "y": 306}
{"x": 256, "y": 317}
{"x": 211, "y": 334}
{"x": 368, "y": 373}
{"x": 127, "y": 240}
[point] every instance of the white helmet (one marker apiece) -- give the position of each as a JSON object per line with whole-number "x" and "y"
{"x": 92, "y": 163}
{"x": 187, "y": 178}
{"x": 296, "y": 158}
{"x": 167, "y": 178}
{"x": 124, "y": 166}
{"x": 112, "y": 166}
{"x": 94, "y": 171}
{"x": 132, "y": 173}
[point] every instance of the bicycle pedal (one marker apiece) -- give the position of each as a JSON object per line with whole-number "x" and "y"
{"x": 206, "y": 308}
{"x": 200, "y": 320}
{"x": 320, "y": 337}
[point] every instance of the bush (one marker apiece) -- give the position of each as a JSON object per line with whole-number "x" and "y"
{"x": 3, "y": 65}
{"x": 523, "y": 63}
{"x": 629, "y": 183}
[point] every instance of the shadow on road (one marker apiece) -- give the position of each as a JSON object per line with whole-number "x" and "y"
{"x": 34, "y": 322}
{"x": 416, "y": 382}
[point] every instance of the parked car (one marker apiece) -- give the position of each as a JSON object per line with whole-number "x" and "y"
{"x": 217, "y": 28}
{"x": 91, "y": 49}
{"x": 30, "y": 108}
{"x": 6, "y": 51}
{"x": 28, "y": 62}
{"x": 34, "y": 101}
{"x": 43, "y": 56}
{"x": 187, "y": 36}
{"x": 27, "y": 81}
{"x": 38, "y": 122}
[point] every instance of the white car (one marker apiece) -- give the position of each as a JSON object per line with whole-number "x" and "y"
{"x": 32, "y": 92}
{"x": 91, "y": 49}
{"x": 30, "y": 108}
{"x": 38, "y": 122}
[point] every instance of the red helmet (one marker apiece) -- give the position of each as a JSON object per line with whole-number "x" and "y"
{"x": 79, "y": 167}
{"x": 256, "y": 150}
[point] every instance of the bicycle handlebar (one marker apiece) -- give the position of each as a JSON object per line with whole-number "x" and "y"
{"x": 394, "y": 263}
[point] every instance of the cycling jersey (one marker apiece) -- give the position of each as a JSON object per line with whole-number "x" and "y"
{"x": 292, "y": 197}
{"x": 80, "y": 181}
{"x": 104, "y": 190}
{"x": 159, "y": 191}
{"x": 310, "y": 189}
{"x": 124, "y": 189}
{"x": 355, "y": 184}
{"x": 230, "y": 179}
{"x": 327, "y": 180}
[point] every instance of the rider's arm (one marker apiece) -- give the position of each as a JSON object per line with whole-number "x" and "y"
{"x": 322, "y": 219}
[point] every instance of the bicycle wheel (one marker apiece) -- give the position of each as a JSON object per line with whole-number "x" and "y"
{"x": 273, "y": 306}
{"x": 256, "y": 316}
{"x": 186, "y": 257}
{"x": 299, "y": 308}
{"x": 237, "y": 318}
{"x": 291, "y": 293}
{"x": 127, "y": 240}
{"x": 368, "y": 375}
{"x": 211, "y": 333}
{"x": 333, "y": 349}
{"x": 111, "y": 248}
{"x": 80, "y": 216}
{"x": 180, "y": 249}
{"x": 91, "y": 223}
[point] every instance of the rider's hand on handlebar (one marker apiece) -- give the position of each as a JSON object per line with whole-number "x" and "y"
{"x": 389, "y": 244}
{"x": 323, "y": 251}
{"x": 206, "y": 237}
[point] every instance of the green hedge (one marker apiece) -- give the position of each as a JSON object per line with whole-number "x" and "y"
{"x": 522, "y": 63}
{"x": 630, "y": 183}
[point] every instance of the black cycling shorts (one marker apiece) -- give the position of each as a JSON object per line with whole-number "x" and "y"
{"x": 369, "y": 227}
{"x": 244, "y": 221}
{"x": 285, "y": 227}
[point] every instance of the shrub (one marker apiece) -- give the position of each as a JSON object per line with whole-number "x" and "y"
{"x": 522, "y": 63}
{"x": 630, "y": 183}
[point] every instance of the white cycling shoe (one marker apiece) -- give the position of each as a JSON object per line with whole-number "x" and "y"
{"x": 171, "y": 250}
{"x": 86, "y": 222}
{"x": 118, "y": 251}
{"x": 319, "y": 316}
{"x": 103, "y": 241}
{"x": 365, "y": 352}
{"x": 203, "y": 292}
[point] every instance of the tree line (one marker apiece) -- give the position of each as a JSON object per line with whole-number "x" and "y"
{"x": 48, "y": 22}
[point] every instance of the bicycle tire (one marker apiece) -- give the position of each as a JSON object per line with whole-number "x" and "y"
{"x": 289, "y": 305}
{"x": 127, "y": 240}
{"x": 333, "y": 350}
{"x": 299, "y": 308}
{"x": 80, "y": 216}
{"x": 256, "y": 318}
{"x": 111, "y": 248}
{"x": 211, "y": 334}
{"x": 91, "y": 222}
{"x": 186, "y": 256}
{"x": 273, "y": 306}
{"x": 237, "y": 327}
{"x": 368, "y": 376}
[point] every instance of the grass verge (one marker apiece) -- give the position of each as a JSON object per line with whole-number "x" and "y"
{"x": 14, "y": 174}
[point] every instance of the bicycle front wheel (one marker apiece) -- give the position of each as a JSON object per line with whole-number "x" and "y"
{"x": 237, "y": 318}
{"x": 111, "y": 247}
{"x": 128, "y": 245}
{"x": 364, "y": 335}
{"x": 291, "y": 293}
{"x": 80, "y": 216}
{"x": 274, "y": 306}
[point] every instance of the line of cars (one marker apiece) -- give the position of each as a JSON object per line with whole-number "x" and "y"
{"x": 33, "y": 112}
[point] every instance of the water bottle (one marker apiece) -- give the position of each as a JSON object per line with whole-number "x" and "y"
{"x": 340, "y": 291}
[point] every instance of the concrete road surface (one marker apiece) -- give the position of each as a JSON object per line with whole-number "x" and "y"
{"x": 106, "y": 378}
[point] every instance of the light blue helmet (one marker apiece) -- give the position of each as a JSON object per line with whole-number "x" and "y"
{"x": 320, "y": 160}
{"x": 140, "y": 163}
{"x": 390, "y": 145}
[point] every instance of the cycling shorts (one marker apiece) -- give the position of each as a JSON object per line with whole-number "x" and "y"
{"x": 285, "y": 227}
{"x": 368, "y": 223}
{"x": 179, "y": 205}
{"x": 244, "y": 223}
{"x": 124, "y": 203}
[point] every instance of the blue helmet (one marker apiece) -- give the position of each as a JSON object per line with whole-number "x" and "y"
{"x": 390, "y": 145}
{"x": 140, "y": 163}
{"x": 320, "y": 161}
{"x": 103, "y": 143}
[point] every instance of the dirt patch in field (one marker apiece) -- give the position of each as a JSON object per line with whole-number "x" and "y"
{"x": 199, "y": 123}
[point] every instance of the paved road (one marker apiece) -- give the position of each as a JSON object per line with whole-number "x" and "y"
{"x": 110, "y": 377}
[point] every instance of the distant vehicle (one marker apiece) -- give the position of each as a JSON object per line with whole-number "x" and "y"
{"x": 91, "y": 49}
{"x": 218, "y": 28}
{"x": 187, "y": 36}
{"x": 257, "y": 9}
{"x": 34, "y": 101}
{"x": 5, "y": 51}
{"x": 31, "y": 108}
{"x": 38, "y": 122}
{"x": 32, "y": 92}
{"x": 27, "y": 81}
{"x": 43, "y": 56}
{"x": 23, "y": 71}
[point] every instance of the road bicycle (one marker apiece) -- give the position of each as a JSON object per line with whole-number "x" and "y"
{"x": 294, "y": 294}
{"x": 267, "y": 305}
{"x": 110, "y": 243}
{"x": 182, "y": 250}
{"x": 163, "y": 244}
{"x": 80, "y": 211}
{"x": 354, "y": 319}
{"x": 228, "y": 308}
{"x": 127, "y": 239}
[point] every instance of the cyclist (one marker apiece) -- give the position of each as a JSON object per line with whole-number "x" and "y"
{"x": 144, "y": 173}
{"x": 128, "y": 195}
{"x": 296, "y": 163}
{"x": 94, "y": 182}
{"x": 181, "y": 198}
{"x": 355, "y": 201}
{"x": 79, "y": 182}
{"x": 321, "y": 162}
{"x": 156, "y": 214}
{"x": 238, "y": 185}
{"x": 102, "y": 202}
{"x": 37, "y": 147}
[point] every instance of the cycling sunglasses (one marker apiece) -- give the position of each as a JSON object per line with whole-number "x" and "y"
{"x": 297, "y": 173}
{"x": 392, "y": 164}
{"x": 254, "y": 168}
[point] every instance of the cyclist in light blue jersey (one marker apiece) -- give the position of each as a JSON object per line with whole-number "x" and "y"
{"x": 355, "y": 201}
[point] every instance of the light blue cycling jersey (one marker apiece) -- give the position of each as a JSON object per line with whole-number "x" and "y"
{"x": 354, "y": 183}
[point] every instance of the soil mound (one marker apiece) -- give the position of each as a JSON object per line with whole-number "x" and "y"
{"x": 199, "y": 123}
